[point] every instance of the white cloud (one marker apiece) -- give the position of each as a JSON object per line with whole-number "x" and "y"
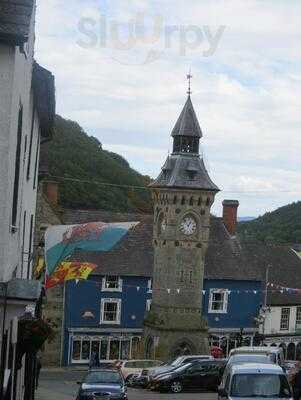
{"x": 246, "y": 94}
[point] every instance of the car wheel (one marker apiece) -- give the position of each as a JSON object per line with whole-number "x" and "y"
{"x": 176, "y": 387}
{"x": 129, "y": 380}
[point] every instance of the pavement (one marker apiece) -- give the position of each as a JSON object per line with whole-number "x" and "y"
{"x": 60, "y": 384}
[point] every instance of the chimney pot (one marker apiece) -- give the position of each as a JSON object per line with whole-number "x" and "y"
{"x": 230, "y": 215}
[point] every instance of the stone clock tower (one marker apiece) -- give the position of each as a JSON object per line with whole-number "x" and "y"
{"x": 183, "y": 195}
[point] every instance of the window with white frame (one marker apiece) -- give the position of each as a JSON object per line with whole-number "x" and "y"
{"x": 285, "y": 319}
{"x": 218, "y": 301}
{"x": 110, "y": 311}
{"x": 111, "y": 283}
{"x": 150, "y": 286}
{"x": 298, "y": 318}
{"x": 148, "y": 304}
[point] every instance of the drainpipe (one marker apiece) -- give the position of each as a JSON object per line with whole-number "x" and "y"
{"x": 5, "y": 284}
{"x": 266, "y": 295}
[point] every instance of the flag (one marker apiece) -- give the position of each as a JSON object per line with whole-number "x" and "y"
{"x": 61, "y": 241}
{"x": 39, "y": 268}
{"x": 67, "y": 271}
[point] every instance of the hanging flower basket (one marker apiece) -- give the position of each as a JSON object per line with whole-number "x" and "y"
{"x": 33, "y": 333}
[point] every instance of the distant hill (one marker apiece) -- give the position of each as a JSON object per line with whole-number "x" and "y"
{"x": 245, "y": 219}
{"x": 72, "y": 153}
{"x": 280, "y": 226}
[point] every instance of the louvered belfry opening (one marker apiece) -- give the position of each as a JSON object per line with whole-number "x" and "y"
{"x": 186, "y": 144}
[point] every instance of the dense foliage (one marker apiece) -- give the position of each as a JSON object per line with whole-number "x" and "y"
{"x": 72, "y": 153}
{"x": 280, "y": 226}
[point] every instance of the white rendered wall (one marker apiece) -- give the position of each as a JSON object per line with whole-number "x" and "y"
{"x": 15, "y": 90}
{"x": 273, "y": 318}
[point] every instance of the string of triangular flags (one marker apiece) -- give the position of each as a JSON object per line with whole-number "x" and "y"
{"x": 270, "y": 288}
{"x": 273, "y": 287}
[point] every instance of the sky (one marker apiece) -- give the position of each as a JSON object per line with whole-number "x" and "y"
{"x": 121, "y": 68}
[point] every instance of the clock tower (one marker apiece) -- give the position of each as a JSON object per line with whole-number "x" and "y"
{"x": 183, "y": 195}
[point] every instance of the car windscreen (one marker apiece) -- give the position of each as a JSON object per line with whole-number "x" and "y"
{"x": 103, "y": 377}
{"x": 268, "y": 386}
{"x": 176, "y": 362}
{"x": 251, "y": 358}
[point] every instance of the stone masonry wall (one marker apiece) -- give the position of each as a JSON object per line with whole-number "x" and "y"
{"x": 48, "y": 215}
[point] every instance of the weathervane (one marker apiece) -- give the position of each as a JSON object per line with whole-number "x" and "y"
{"x": 189, "y": 77}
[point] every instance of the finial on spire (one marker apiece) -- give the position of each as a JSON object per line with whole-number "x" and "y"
{"x": 189, "y": 77}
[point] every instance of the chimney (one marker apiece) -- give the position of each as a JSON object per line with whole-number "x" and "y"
{"x": 230, "y": 215}
{"x": 51, "y": 191}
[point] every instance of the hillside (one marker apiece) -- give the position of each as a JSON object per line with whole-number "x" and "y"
{"x": 72, "y": 153}
{"x": 280, "y": 226}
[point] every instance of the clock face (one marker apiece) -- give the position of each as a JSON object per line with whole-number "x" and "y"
{"x": 188, "y": 226}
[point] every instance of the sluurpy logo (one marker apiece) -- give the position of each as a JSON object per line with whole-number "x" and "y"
{"x": 143, "y": 39}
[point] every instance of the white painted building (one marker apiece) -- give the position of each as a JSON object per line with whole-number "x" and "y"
{"x": 27, "y": 110}
{"x": 283, "y": 320}
{"x": 282, "y": 327}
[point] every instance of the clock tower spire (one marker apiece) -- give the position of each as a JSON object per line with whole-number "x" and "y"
{"x": 183, "y": 195}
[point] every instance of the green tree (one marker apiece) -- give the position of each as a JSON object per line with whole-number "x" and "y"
{"x": 95, "y": 172}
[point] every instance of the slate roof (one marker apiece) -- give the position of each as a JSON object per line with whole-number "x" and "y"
{"x": 226, "y": 258}
{"x": 44, "y": 97}
{"x": 176, "y": 173}
{"x": 133, "y": 256}
{"x": 187, "y": 124}
{"x": 71, "y": 216}
{"x": 15, "y": 17}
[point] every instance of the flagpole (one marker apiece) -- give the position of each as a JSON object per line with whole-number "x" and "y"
{"x": 63, "y": 325}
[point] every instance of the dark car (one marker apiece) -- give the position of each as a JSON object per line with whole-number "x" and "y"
{"x": 199, "y": 375}
{"x": 102, "y": 384}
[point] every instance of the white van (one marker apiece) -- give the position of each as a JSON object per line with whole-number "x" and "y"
{"x": 275, "y": 353}
{"x": 260, "y": 381}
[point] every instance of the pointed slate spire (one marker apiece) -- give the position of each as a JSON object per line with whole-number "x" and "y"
{"x": 184, "y": 168}
{"x": 187, "y": 124}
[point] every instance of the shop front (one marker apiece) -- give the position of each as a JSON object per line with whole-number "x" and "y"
{"x": 115, "y": 346}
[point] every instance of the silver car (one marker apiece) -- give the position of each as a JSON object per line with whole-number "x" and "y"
{"x": 255, "y": 381}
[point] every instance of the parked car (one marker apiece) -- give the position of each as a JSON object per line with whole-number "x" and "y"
{"x": 201, "y": 375}
{"x": 133, "y": 368}
{"x": 260, "y": 381}
{"x": 276, "y": 353}
{"x": 102, "y": 383}
{"x": 105, "y": 364}
{"x": 248, "y": 358}
{"x": 182, "y": 360}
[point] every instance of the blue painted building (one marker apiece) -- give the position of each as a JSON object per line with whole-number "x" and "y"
{"x": 105, "y": 314}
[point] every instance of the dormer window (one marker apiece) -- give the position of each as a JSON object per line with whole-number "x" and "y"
{"x": 191, "y": 171}
{"x": 191, "y": 175}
